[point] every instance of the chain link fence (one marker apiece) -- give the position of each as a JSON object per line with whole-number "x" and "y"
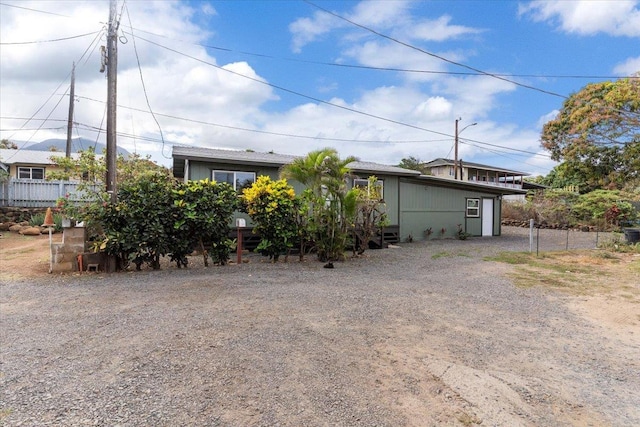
{"x": 545, "y": 240}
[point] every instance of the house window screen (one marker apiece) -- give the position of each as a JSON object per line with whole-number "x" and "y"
{"x": 364, "y": 183}
{"x": 238, "y": 180}
{"x": 31, "y": 173}
{"x": 473, "y": 208}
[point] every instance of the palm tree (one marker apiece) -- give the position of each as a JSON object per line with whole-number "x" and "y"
{"x": 324, "y": 174}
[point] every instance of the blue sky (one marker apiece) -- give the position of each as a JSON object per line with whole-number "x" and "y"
{"x": 230, "y": 67}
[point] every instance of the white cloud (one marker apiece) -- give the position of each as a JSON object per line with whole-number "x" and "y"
{"x": 307, "y": 30}
{"x": 393, "y": 17}
{"x": 439, "y": 30}
{"x": 546, "y": 118}
{"x": 588, "y": 17}
{"x": 629, "y": 67}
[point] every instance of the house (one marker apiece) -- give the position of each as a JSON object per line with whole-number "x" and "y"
{"x": 476, "y": 172}
{"x": 27, "y": 164}
{"x": 27, "y": 185}
{"x": 414, "y": 202}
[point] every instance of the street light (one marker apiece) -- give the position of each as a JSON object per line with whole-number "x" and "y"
{"x": 455, "y": 161}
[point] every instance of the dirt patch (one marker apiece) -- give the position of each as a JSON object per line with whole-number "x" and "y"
{"x": 25, "y": 256}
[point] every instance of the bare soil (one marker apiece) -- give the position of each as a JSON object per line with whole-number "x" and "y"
{"x": 426, "y": 334}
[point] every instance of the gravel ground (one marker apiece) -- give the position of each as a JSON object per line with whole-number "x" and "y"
{"x": 397, "y": 337}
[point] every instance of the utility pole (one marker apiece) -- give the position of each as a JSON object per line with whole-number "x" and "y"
{"x": 455, "y": 150}
{"x": 455, "y": 161}
{"x": 112, "y": 70}
{"x": 72, "y": 98}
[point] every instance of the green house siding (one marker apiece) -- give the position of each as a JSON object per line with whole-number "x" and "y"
{"x": 203, "y": 170}
{"x": 423, "y": 206}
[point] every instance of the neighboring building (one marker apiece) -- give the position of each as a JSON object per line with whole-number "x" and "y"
{"x": 27, "y": 185}
{"x": 29, "y": 164}
{"x": 476, "y": 172}
{"x": 414, "y": 202}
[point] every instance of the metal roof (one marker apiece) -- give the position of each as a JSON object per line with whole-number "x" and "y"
{"x": 472, "y": 185}
{"x": 273, "y": 159}
{"x": 30, "y": 157}
{"x": 449, "y": 162}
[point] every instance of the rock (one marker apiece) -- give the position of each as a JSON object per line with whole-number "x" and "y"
{"x": 4, "y": 226}
{"x": 30, "y": 231}
{"x": 15, "y": 228}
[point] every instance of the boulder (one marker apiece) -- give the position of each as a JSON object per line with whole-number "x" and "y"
{"x": 30, "y": 231}
{"x": 15, "y": 228}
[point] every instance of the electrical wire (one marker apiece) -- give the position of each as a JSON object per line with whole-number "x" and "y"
{"x": 293, "y": 92}
{"x": 34, "y": 10}
{"x": 144, "y": 88}
{"x": 314, "y": 98}
{"x": 48, "y": 41}
{"x": 442, "y": 58}
{"x": 393, "y": 69}
{"x": 289, "y": 135}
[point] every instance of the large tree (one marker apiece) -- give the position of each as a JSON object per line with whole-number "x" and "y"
{"x": 597, "y": 134}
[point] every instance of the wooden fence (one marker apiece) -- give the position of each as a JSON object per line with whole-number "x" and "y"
{"x": 34, "y": 193}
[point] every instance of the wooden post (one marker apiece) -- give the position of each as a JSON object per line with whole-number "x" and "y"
{"x": 72, "y": 96}
{"x": 240, "y": 224}
{"x": 112, "y": 87}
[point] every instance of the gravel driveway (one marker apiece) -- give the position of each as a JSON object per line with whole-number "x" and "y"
{"x": 398, "y": 337}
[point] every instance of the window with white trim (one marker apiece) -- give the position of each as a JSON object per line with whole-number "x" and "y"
{"x": 473, "y": 208}
{"x": 30, "y": 173}
{"x": 237, "y": 179}
{"x": 364, "y": 183}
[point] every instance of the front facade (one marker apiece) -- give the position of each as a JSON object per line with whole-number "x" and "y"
{"x": 414, "y": 202}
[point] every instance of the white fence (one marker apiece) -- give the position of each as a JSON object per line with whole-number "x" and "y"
{"x": 37, "y": 193}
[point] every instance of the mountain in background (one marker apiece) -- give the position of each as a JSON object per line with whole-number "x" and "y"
{"x": 77, "y": 144}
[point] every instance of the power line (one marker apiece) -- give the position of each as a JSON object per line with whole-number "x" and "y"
{"x": 314, "y": 98}
{"x": 442, "y": 58}
{"x": 394, "y": 69}
{"x": 144, "y": 88}
{"x": 273, "y": 133}
{"x": 34, "y": 10}
{"x": 293, "y": 92}
{"x": 49, "y": 41}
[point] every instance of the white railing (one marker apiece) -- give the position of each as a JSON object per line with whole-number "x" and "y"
{"x": 36, "y": 193}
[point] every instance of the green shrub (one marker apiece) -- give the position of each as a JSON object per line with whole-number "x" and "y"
{"x": 273, "y": 206}
{"x": 37, "y": 220}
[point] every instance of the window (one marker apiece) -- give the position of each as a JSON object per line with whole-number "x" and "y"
{"x": 238, "y": 180}
{"x": 31, "y": 173}
{"x": 364, "y": 183}
{"x": 473, "y": 208}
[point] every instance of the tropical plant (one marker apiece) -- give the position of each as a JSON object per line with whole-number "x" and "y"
{"x": 366, "y": 209}
{"x": 273, "y": 207}
{"x": 325, "y": 176}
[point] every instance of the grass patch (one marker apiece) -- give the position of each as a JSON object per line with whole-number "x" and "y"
{"x": 576, "y": 272}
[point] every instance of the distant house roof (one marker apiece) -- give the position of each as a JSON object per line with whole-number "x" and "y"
{"x": 449, "y": 162}
{"x": 470, "y": 185}
{"x": 29, "y": 157}
{"x": 266, "y": 159}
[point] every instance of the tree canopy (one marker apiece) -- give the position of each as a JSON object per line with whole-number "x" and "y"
{"x": 597, "y": 134}
{"x": 6, "y": 144}
{"x": 415, "y": 164}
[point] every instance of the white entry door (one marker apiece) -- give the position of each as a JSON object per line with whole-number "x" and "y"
{"x": 487, "y": 217}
